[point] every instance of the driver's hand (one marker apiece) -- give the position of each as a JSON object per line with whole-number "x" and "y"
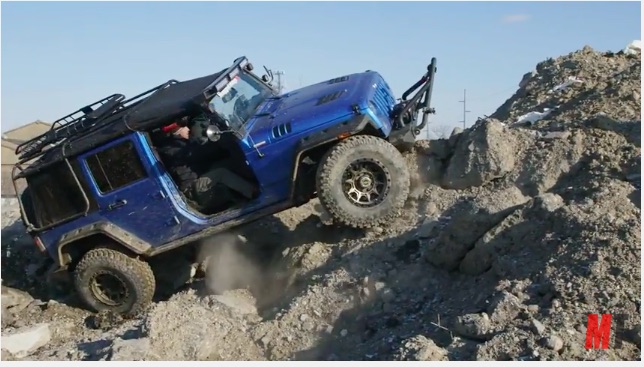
{"x": 203, "y": 184}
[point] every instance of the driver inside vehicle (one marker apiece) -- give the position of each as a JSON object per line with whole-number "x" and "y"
{"x": 238, "y": 110}
{"x": 238, "y": 101}
{"x": 210, "y": 187}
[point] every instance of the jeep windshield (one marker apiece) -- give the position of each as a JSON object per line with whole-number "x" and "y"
{"x": 239, "y": 100}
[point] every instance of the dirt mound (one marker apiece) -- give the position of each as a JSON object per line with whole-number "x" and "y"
{"x": 597, "y": 81}
{"x": 212, "y": 328}
{"x": 517, "y": 228}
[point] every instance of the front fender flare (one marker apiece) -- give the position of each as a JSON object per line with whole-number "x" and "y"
{"x": 350, "y": 127}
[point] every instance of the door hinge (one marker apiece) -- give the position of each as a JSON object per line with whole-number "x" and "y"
{"x": 159, "y": 195}
{"x": 173, "y": 221}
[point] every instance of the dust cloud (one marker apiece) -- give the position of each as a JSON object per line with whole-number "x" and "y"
{"x": 227, "y": 263}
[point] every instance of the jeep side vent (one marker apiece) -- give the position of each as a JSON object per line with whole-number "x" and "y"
{"x": 338, "y": 80}
{"x": 281, "y": 130}
{"x": 330, "y": 97}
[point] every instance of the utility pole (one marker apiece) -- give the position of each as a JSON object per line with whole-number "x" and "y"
{"x": 465, "y": 111}
{"x": 279, "y": 74}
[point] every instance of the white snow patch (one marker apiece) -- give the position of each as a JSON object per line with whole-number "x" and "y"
{"x": 570, "y": 81}
{"x": 532, "y": 117}
{"x": 633, "y": 48}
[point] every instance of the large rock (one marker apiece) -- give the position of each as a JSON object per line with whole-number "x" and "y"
{"x": 15, "y": 300}
{"x": 27, "y": 340}
{"x": 543, "y": 169}
{"x": 481, "y": 256}
{"x": 508, "y": 233}
{"x": 484, "y": 153}
{"x": 470, "y": 220}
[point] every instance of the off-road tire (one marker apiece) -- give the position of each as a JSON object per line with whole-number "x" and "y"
{"x": 329, "y": 181}
{"x": 136, "y": 276}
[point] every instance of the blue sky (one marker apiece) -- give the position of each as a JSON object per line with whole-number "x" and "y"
{"x": 57, "y": 57}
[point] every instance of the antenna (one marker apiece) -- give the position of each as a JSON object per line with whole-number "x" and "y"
{"x": 464, "y": 102}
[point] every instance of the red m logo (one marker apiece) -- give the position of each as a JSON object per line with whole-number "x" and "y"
{"x": 598, "y": 334}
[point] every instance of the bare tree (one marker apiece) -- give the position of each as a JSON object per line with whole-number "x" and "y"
{"x": 442, "y": 131}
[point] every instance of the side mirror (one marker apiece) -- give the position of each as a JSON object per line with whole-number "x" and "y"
{"x": 213, "y": 133}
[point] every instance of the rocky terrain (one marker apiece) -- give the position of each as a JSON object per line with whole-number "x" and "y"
{"x": 518, "y": 228}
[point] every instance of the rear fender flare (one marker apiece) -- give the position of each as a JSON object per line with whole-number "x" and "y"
{"x": 118, "y": 235}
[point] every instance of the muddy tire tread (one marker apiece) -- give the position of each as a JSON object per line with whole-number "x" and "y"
{"x": 138, "y": 272}
{"x": 328, "y": 171}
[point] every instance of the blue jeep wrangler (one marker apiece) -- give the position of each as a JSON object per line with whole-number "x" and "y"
{"x": 101, "y": 202}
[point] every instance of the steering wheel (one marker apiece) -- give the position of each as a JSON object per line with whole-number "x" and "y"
{"x": 242, "y": 106}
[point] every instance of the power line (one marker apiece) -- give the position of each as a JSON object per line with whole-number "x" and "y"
{"x": 465, "y": 111}
{"x": 279, "y": 74}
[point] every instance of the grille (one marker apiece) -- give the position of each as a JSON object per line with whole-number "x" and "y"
{"x": 382, "y": 100}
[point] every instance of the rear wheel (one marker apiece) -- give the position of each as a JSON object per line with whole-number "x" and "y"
{"x": 363, "y": 181}
{"x": 109, "y": 280}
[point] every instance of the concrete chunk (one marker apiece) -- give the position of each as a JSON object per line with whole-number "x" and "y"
{"x": 26, "y": 340}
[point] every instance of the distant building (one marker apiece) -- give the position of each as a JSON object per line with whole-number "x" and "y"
{"x": 10, "y": 140}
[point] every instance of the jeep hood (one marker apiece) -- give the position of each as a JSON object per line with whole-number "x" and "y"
{"x": 309, "y": 107}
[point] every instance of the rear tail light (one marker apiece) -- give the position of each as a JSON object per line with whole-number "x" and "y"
{"x": 39, "y": 244}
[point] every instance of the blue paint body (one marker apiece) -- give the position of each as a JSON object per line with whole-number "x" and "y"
{"x": 157, "y": 214}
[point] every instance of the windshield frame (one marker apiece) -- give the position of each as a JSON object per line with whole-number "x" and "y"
{"x": 250, "y": 82}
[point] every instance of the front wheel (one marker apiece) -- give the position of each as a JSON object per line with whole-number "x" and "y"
{"x": 109, "y": 280}
{"x": 363, "y": 181}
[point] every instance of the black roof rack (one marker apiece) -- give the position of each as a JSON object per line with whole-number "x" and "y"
{"x": 118, "y": 113}
{"x": 70, "y": 125}
{"x": 113, "y": 116}
{"x": 82, "y": 121}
